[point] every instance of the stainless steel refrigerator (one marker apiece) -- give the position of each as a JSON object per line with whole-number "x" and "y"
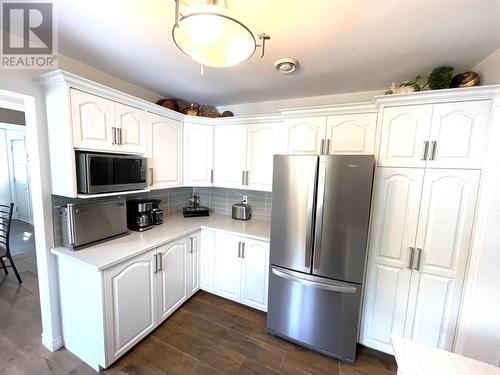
{"x": 319, "y": 229}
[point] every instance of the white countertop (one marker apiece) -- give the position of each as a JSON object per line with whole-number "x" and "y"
{"x": 418, "y": 359}
{"x": 112, "y": 252}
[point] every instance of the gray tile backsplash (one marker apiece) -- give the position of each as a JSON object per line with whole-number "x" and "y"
{"x": 219, "y": 200}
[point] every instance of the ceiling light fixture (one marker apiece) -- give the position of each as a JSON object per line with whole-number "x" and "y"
{"x": 210, "y": 36}
{"x": 286, "y": 65}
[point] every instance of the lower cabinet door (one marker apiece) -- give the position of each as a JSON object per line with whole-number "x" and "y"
{"x": 207, "y": 260}
{"x": 193, "y": 264}
{"x": 255, "y": 273}
{"x": 130, "y": 303}
{"x": 227, "y": 266}
{"x": 171, "y": 277}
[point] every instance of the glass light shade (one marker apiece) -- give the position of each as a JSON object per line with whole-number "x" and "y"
{"x": 212, "y": 38}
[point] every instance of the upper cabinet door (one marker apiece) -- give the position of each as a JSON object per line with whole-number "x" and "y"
{"x": 93, "y": 121}
{"x": 351, "y": 134}
{"x": 443, "y": 239}
{"x": 263, "y": 144}
{"x": 166, "y": 153}
{"x": 198, "y": 154}
{"x": 255, "y": 273}
{"x": 172, "y": 291}
{"x": 127, "y": 287}
{"x": 396, "y": 200}
{"x": 405, "y": 136}
{"x": 305, "y": 135}
{"x": 230, "y": 153}
{"x": 458, "y": 135}
{"x": 132, "y": 123}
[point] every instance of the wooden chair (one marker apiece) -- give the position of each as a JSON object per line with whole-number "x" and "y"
{"x": 5, "y": 222}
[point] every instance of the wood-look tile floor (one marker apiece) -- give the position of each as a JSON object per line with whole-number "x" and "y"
{"x": 207, "y": 335}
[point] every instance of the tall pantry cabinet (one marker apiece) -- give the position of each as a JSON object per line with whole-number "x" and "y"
{"x": 424, "y": 199}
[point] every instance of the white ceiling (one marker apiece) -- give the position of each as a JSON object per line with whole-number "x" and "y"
{"x": 342, "y": 45}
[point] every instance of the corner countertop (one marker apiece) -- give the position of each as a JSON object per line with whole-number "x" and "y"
{"x": 110, "y": 253}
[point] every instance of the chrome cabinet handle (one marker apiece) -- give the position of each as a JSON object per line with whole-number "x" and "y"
{"x": 327, "y": 147}
{"x": 419, "y": 256}
{"x": 151, "y": 179}
{"x": 412, "y": 255}
{"x": 211, "y": 176}
{"x": 113, "y": 135}
{"x": 160, "y": 256}
{"x": 433, "y": 150}
{"x": 243, "y": 177}
{"x": 243, "y": 250}
{"x": 426, "y": 150}
{"x": 191, "y": 248}
{"x": 322, "y": 147}
{"x": 239, "y": 249}
{"x": 156, "y": 263}
{"x": 247, "y": 174}
{"x": 120, "y": 138}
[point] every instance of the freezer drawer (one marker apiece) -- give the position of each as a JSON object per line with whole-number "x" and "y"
{"x": 318, "y": 313}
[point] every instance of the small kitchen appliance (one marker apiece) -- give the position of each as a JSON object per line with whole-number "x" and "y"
{"x": 139, "y": 214}
{"x": 156, "y": 212}
{"x": 86, "y": 224}
{"x": 195, "y": 210}
{"x": 242, "y": 211}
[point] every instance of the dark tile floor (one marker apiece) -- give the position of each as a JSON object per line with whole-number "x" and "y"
{"x": 207, "y": 335}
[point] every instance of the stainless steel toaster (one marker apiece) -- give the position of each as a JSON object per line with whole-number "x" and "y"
{"x": 242, "y": 211}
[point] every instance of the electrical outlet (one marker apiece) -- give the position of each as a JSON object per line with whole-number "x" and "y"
{"x": 244, "y": 199}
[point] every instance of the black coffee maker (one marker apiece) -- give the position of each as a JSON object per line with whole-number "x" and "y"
{"x": 139, "y": 214}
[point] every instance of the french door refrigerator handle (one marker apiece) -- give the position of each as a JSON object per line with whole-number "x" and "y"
{"x": 412, "y": 255}
{"x": 314, "y": 284}
{"x": 319, "y": 212}
{"x": 311, "y": 208}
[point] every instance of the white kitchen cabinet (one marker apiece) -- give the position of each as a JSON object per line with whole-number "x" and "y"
{"x": 227, "y": 266}
{"x": 351, "y": 134}
{"x": 396, "y": 198}
{"x": 130, "y": 303}
{"x": 172, "y": 290}
{"x": 459, "y": 134}
{"x": 207, "y": 260}
{"x": 254, "y": 273}
{"x": 93, "y": 120}
{"x": 405, "y": 136}
{"x": 445, "y": 135}
{"x": 264, "y": 141}
{"x": 230, "y": 153}
{"x": 165, "y": 164}
{"x": 241, "y": 268}
{"x": 421, "y": 231}
{"x": 198, "y": 154}
{"x": 132, "y": 125}
{"x": 443, "y": 238}
{"x": 193, "y": 264}
{"x": 305, "y": 135}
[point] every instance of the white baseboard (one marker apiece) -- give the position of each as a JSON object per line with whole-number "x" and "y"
{"x": 52, "y": 344}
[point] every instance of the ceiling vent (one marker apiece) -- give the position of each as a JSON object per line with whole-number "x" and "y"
{"x": 286, "y": 65}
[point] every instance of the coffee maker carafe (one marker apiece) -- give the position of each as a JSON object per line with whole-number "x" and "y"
{"x": 139, "y": 216}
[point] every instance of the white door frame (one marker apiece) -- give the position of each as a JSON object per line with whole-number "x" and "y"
{"x": 13, "y": 189}
{"x": 39, "y": 170}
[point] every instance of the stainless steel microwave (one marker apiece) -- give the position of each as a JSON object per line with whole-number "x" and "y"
{"x": 105, "y": 173}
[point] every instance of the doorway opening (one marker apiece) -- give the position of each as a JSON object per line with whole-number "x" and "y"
{"x": 15, "y": 183}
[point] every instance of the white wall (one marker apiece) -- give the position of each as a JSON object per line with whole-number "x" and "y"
{"x": 273, "y": 106}
{"x": 24, "y": 82}
{"x": 5, "y": 196}
{"x": 489, "y": 69}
